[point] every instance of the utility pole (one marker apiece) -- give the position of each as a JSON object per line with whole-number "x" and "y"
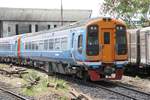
{"x": 61, "y": 13}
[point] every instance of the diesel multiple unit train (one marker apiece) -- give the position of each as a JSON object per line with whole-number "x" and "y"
{"x": 139, "y": 51}
{"x": 94, "y": 48}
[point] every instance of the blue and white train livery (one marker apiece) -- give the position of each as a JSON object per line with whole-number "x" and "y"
{"x": 94, "y": 48}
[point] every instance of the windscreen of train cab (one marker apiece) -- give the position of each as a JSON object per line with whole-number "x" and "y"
{"x": 92, "y": 40}
{"x": 121, "y": 40}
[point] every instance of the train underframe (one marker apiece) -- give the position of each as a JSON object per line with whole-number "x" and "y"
{"x": 110, "y": 72}
{"x": 136, "y": 69}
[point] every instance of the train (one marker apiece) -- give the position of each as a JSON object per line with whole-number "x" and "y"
{"x": 138, "y": 51}
{"x": 94, "y": 49}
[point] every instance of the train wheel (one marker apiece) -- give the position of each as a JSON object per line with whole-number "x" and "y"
{"x": 50, "y": 69}
{"x": 85, "y": 76}
{"x": 82, "y": 74}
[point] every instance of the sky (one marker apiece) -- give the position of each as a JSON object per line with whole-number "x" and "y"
{"x": 93, "y": 5}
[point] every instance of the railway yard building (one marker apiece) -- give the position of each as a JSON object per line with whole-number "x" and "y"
{"x": 14, "y": 21}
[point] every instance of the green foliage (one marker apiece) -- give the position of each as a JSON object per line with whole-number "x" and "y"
{"x": 126, "y": 9}
{"x": 42, "y": 84}
{"x": 30, "y": 76}
{"x": 63, "y": 98}
{"x": 61, "y": 84}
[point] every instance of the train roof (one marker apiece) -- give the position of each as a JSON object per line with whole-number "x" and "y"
{"x": 8, "y": 39}
{"x": 146, "y": 29}
{"x": 72, "y": 25}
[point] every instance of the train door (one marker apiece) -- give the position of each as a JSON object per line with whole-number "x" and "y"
{"x": 78, "y": 46}
{"x": 107, "y": 45}
{"x": 72, "y": 40}
{"x": 148, "y": 47}
{"x": 18, "y": 47}
{"x": 73, "y": 46}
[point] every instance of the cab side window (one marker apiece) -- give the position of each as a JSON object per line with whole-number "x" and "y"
{"x": 80, "y": 39}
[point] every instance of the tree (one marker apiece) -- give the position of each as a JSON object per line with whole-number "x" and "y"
{"x": 127, "y": 9}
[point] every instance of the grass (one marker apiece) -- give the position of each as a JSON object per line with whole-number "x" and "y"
{"x": 137, "y": 77}
{"x": 3, "y": 66}
{"x": 41, "y": 87}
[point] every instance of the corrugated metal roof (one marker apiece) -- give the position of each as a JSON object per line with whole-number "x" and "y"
{"x": 29, "y": 14}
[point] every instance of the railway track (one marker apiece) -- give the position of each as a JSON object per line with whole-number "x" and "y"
{"x": 132, "y": 93}
{"x": 124, "y": 96}
{"x": 125, "y": 92}
{"x": 110, "y": 90}
{"x": 12, "y": 94}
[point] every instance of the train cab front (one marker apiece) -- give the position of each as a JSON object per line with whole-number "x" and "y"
{"x": 106, "y": 49}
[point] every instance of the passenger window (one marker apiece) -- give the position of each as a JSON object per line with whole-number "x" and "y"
{"x": 32, "y": 46}
{"x": 45, "y": 44}
{"x": 41, "y": 45}
{"x": 26, "y": 46}
{"x": 64, "y": 43}
{"x": 80, "y": 38}
{"x": 36, "y": 46}
{"x": 51, "y": 44}
{"x": 106, "y": 37}
{"x": 72, "y": 39}
{"x": 29, "y": 45}
{"x": 57, "y": 44}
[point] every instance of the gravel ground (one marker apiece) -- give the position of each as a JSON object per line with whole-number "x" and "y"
{"x": 93, "y": 92}
{"x": 97, "y": 93}
{"x": 131, "y": 93}
{"x": 11, "y": 88}
{"x": 14, "y": 83}
{"x": 6, "y": 96}
{"x": 137, "y": 83}
{"x": 100, "y": 94}
{"x": 49, "y": 96}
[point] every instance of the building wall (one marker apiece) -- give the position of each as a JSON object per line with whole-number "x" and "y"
{"x": 10, "y": 28}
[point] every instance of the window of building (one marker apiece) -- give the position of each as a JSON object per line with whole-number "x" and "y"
{"x": 36, "y": 28}
{"x": 30, "y": 28}
{"x": 17, "y": 30}
{"x": 55, "y": 26}
{"x": 49, "y": 26}
{"x": 9, "y": 29}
